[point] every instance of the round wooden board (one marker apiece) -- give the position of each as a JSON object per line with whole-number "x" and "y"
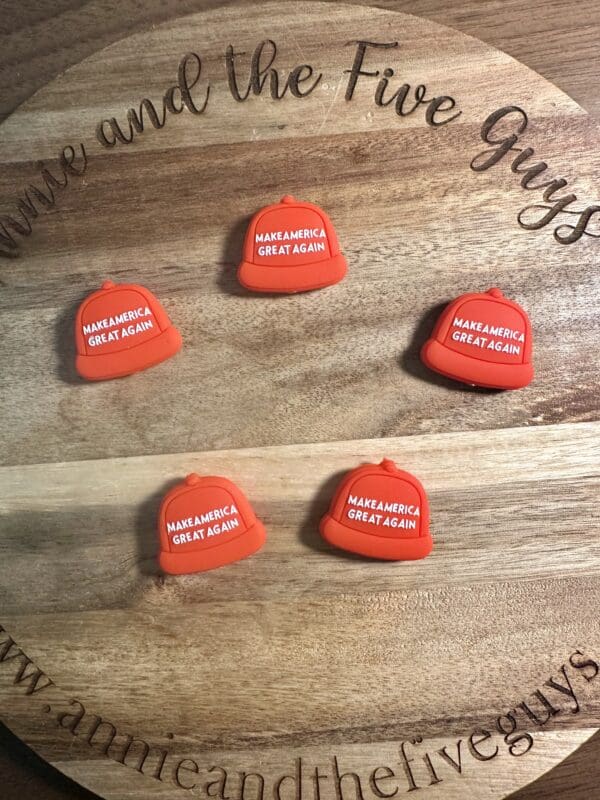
{"x": 301, "y": 661}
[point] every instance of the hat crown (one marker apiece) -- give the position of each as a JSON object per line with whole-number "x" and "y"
{"x": 382, "y": 503}
{"x": 118, "y": 319}
{"x": 291, "y": 234}
{"x": 487, "y": 327}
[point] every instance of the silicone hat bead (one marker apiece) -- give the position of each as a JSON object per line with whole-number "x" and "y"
{"x": 482, "y": 339}
{"x": 204, "y": 523}
{"x": 121, "y": 329}
{"x": 379, "y": 511}
{"x": 289, "y": 247}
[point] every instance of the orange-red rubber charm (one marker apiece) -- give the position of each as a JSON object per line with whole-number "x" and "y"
{"x": 482, "y": 339}
{"x": 290, "y": 247}
{"x": 380, "y": 511}
{"x": 206, "y": 522}
{"x": 121, "y": 329}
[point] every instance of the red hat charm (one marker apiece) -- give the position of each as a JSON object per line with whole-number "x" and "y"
{"x": 379, "y": 511}
{"x": 290, "y": 247}
{"x": 206, "y": 522}
{"x": 482, "y": 339}
{"x": 121, "y": 329}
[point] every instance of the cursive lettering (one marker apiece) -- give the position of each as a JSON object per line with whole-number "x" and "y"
{"x": 403, "y": 103}
{"x": 262, "y": 72}
{"x": 34, "y": 200}
{"x": 109, "y": 131}
{"x": 535, "y": 216}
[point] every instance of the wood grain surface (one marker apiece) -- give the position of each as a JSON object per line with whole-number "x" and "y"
{"x": 315, "y": 663}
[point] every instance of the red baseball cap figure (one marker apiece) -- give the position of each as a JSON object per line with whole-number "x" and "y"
{"x": 121, "y": 329}
{"x": 206, "y": 522}
{"x": 484, "y": 340}
{"x": 290, "y": 247}
{"x": 380, "y": 511}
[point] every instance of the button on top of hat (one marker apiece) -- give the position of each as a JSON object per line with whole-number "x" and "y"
{"x": 290, "y": 246}
{"x": 206, "y": 522}
{"x": 379, "y": 511}
{"x": 121, "y": 329}
{"x": 484, "y": 340}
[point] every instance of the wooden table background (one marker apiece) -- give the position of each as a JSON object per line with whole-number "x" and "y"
{"x": 39, "y": 39}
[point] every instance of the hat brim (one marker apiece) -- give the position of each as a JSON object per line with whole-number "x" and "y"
{"x": 105, "y": 366}
{"x": 464, "y": 368}
{"x": 383, "y": 547}
{"x": 289, "y": 279}
{"x": 236, "y": 549}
